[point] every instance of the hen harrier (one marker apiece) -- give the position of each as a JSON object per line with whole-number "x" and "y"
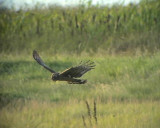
{"x": 69, "y": 74}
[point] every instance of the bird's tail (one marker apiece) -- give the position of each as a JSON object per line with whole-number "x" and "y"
{"x": 77, "y": 81}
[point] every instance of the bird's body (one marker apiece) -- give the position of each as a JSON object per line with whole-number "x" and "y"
{"x": 70, "y": 80}
{"x": 71, "y": 74}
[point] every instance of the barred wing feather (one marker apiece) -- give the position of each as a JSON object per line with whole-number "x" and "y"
{"x": 40, "y": 61}
{"x": 79, "y": 70}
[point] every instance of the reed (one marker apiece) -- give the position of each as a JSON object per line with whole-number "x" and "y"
{"x": 95, "y": 112}
{"x": 84, "y": 122}
{"x": 89, "y": 113}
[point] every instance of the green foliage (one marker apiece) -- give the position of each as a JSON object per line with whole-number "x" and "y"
{"x": 89, "y": 29}
{"x": 125, "y": 89}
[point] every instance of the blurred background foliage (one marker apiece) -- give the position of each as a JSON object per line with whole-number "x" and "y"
{"x": 82, "y": 29}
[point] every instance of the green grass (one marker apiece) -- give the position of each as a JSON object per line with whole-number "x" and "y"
{"x": 124, "y": 43}
{"x": 133, "y": 77}
{"x": 126, "y": 90}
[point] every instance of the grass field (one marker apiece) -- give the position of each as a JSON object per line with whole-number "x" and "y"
{"x": 126, "y": 90}
{"x": 123, "y": 91}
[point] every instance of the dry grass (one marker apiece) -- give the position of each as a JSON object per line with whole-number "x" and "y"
{"x": 30, "y": 114}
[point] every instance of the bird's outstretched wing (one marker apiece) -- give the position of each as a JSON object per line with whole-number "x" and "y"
{"x": 39, "y": 60}
{"x": 79, "y": 70}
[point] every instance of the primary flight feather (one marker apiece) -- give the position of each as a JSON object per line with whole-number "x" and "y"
{"x": 71, "y": 74}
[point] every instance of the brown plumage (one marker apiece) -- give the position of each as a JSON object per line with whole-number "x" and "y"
{"x": 69, "y": 74}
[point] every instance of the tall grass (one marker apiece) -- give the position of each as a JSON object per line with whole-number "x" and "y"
{"x": 80, "y": 29}
{"x": 125, "y": 89}
{"x": 33, "y": 114}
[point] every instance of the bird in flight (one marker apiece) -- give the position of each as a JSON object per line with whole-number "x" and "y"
{"x": 71, "y": 74}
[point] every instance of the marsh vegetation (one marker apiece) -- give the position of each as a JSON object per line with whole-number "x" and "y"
{"x": 122, "y": 91}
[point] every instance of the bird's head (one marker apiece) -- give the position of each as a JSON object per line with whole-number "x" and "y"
{"x": 55, "y": 76}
